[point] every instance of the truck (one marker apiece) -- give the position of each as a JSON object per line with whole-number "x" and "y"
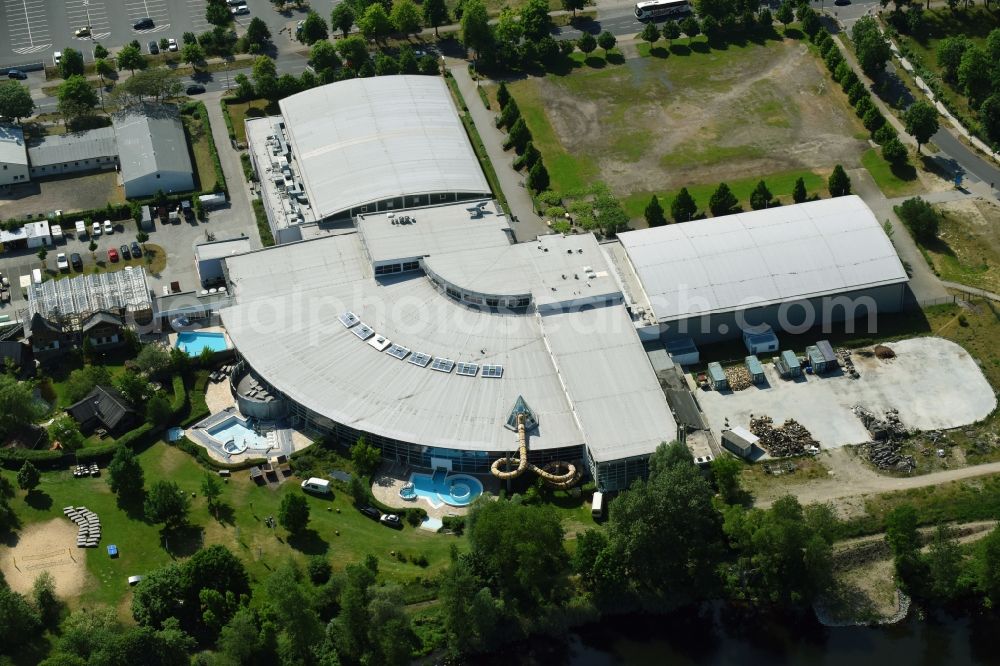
{"x": 57, "y": 233}
{"x": 212, "y": 200}
{"x": 81, "y": 229}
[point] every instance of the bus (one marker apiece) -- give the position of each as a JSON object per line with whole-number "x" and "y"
{"x": 649, "y": 10}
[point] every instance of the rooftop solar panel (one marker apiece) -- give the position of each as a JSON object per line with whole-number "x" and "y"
{"x": 419, "y": 358}
{"x": 348, "y": 319}
{"x": 398, "y": 351}
{"x": 443, "y": 365}
{"x": 468, "y": 369}
{"x": 493, "y": 371}
{"x": 363, "y": 331}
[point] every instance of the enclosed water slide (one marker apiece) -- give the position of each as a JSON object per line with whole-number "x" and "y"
{"x": 557, "y": 473}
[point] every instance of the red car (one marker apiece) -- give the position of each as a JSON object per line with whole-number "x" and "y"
{"x": 112, "y": 255}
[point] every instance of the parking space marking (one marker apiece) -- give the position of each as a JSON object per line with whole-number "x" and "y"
{"x": 27, "y": 25}
{"x": 196, "y": 10}
{"x": 154, "y": 9}
{"x": 82, "y": 13}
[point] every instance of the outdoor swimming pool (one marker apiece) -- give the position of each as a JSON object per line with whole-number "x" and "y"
{"x": 193, "y": 342}
{"x": 235, "y": 430}
{"x": 454, "y": 489}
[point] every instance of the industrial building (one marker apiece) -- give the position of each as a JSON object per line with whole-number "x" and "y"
{"x": 124, "y": 293}
{"x": 790, "y": 267}
{"x": 152, "y": 151}
{"x": 362, "y": 146}
{"x": 78, "y": 152}
{"x": 13, "y": 157}
{"x": 209, "y": 257}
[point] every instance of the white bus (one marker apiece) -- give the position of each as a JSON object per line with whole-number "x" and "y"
{"x": 654, "y": 9}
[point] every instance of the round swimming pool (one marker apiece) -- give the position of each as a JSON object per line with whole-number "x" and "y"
{"x": 232, "y": 447}
{"x": 460, "y": 490}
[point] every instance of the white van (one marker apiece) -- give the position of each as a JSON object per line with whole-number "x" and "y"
{"x": 597, "y": 506}
{"x": 319, "y": 486}
{"x": 81, "y": 229}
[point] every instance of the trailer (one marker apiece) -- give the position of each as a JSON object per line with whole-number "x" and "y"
{"x": 788, "y": 365}
{"x": 717, "y": 377}
{"x": 755, "y": 368}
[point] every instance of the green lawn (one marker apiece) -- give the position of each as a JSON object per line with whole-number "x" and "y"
{"x": 240, "y": 111}
{"x": 780, "y": 184}
{"x": 198, "y": 137}
{"x": 967, "y": 247}
{"x": 894, "y": 180}
{"x": 241, "y": 529}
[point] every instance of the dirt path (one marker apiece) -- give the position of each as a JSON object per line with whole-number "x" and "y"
{"x": 849, "y": 478}
{"x": 48, "y": 546}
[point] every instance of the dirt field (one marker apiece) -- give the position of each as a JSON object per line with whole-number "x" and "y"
{"x": 67, "y": 193}
{"x": 656, "y": 124}
{"x": 48, "y": 546}
{"x": 969, "y": 247}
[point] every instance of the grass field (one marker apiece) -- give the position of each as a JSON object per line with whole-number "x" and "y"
{"x": 697, "y": 117}
{"x": 198, "y": 137}
{"x": 893, "y": 180}
{"x": 240, "y": 111}
{"x": 968, "y": 246}
{"x": 240, "y": 527}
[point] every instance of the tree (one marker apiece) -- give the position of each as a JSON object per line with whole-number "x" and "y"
{"x": 313, "y": 29}
{"x": 258, "y": 34}
{"x": 65, "y": 431}
{"x": 901, "y": 530}
{"x": 354, "y": 51}
{"x": 839, "y": 183}
{"x": 100, "y": 52}
{"x": 726, "y": 472}
{"x": 944, "y": 564}
{"x": 671, "y": 31}
{"x": 342, "y": 17}
{"x": 15, "y": 101}
{"x": 690, "y": 27}
{"x": 28, "y": 477}
{"x": 405, "y": 17}
{"x": 986, "y": 568}
{"x": 153, "y": 360}
{"x": 125, "y": 475}
{"x": 761, "y": 197}
{"x": 76, "y": 98}
{"x": 654, "y": 213}
{"x": 293, "y": 513}
{"x": 872, "y": 118}
{"x": 989, "y": 116}
{"x": 476, "y": 31}
{"x": 683, "y": 208}
{"x": 193, "y": 54}
{"x": 17, "y": 405}
{"x": 799, "y": 194}
{"x": 810, "y": 21}
{"x": 722, "y": 201}
{"x": 158, "y": 410}
{"x": 949, "y": 55}
{"x": 650, "y": 33}
{"x": 375, "y": 24}
{"x": 19, "y": 620}
{"x": 217, "y": 14}
{"x": 920, "y": 218}
{"x": 323, "y": 57}
{"x": 606, "y": 40}
{"x": 921, "y": 121}
{"x": 574, "y": 5}
{"x": 535, "y": 20}
{"x": 365, "y": 457}
{"x": 710, "y": 27}
{"x": 871, "y": 46}
{"x": 785, "y": 13}
{"x": 538, "y": 177}
{"x": 893, "y": 151}
{"x": 265, "y": 77}
{"x": 104, "y": 69}
{"x": 244, "y": 88}
{"x": 71, "y": 63}
{"x": 166, "y": 503}
{"x": 319, "y": 569}
{"x": 130, "y": 58}
{"x": 133, "y": 387}
{"x": 43, "y": 595}
{"x": 587, "y": 43}
{"x": 975, "y": 75}
{"x": 156, "y": 83}
{"x": 518, "y": 136}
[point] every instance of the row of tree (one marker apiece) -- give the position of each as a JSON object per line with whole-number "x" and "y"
{"x": 974, "y": 71}
{"x": 519, "y": 138}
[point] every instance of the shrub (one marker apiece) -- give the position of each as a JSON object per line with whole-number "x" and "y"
{"x": 920, "y": 218}
{"x": 455, "y": 524}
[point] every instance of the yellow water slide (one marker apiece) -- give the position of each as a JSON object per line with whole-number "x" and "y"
{"x": 557, "y": 473}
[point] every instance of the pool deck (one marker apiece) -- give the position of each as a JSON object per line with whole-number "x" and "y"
{"x": 391, "y": 479}
{"x": 287, "y": 440}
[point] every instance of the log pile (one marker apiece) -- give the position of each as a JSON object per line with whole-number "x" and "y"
{"x": 844, "y": 355}
{"x": 738, "y": 377}
{"x": 789, "y": 439}
{"x": 888, "y": 435}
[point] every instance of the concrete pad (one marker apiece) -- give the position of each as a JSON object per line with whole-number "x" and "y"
{"x": 934, "y": 383}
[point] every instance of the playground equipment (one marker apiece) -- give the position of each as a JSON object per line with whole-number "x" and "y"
{"x": 558, "y": 474}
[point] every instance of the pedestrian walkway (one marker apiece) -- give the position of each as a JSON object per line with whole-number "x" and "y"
{"x": 526, "y": 224}
{"x": 239, "y": 191}
{"x": 974, "y": 291}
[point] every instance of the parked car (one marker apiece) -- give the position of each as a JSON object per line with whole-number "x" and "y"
{"x": 136, "y": 250}
{"x": 153, "y": 48}
{"x": 16, "y": 74}
{"x": 61, "y": 262}
{"x": 126, "y": 254}
{"x": 112, "y": 255}
{"x": 371, "y": 512}
{"x": 391, "y": 520}
{"x": 82, "y": 32}
{"x": 108, "y": 228}
{"x": 144, "y": 23}
{"x": 95, "y": 229}
{"x": 171, "y": 44}
{"x": 195, "y": 89}
{"x": 57, "y": 58}
{"x": 239, "y": 9}
{"x": 77, "y": 262}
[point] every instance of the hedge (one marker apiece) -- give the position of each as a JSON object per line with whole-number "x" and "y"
{"x": 198, "y": 109}
{"x": 225, "y": 102}
{"x": 200, "y": 454}
{"x": 266, "y": 238}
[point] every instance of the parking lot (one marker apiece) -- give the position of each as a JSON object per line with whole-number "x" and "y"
{"x": 27, "y": 26}
{"x": 934, "y": 383}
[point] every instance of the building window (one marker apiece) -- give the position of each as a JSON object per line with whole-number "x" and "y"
{"x": 411, "y": 265}
{"x": 76, "y": 164}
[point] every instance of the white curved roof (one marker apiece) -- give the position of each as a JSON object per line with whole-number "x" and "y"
{"x": 363, "y": 140}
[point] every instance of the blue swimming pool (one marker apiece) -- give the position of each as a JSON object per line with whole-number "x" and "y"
{"x": 236, "y": 437}
{"x": 193, "y": 342}
{"x": 453, "y": 489}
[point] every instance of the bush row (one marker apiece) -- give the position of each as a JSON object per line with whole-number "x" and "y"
{"x": 198, "y": 109}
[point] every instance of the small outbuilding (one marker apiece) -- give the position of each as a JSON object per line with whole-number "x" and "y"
{"x": 818, "y": 361}
{"x": 755, "y": 368}
{"x": 682, "y": 350}
{"x": 104, "y": 330}
{"x": 18, "y": 357}
{"x": 761, "y": 339}
{"x": 788, "y": 365}
{"x": 717, "y": 377}
{"x": 209, "y": 257}
{"x": 740, "y": 441}
{"x": 104, "y": 407}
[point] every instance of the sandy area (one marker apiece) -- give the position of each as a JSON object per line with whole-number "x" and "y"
{"x": 934, "y": 383}
{"x": 49, "y": 546}
{"x": 218, "y": 397}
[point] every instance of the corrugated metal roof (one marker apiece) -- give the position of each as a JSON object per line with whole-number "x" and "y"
{"x": 762, "y": 257}
{"x": 62, "y": 148}
{"x": 364, "y": 140}
{"x": 12, "y": 149}
{"x": 150, "y": 140}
